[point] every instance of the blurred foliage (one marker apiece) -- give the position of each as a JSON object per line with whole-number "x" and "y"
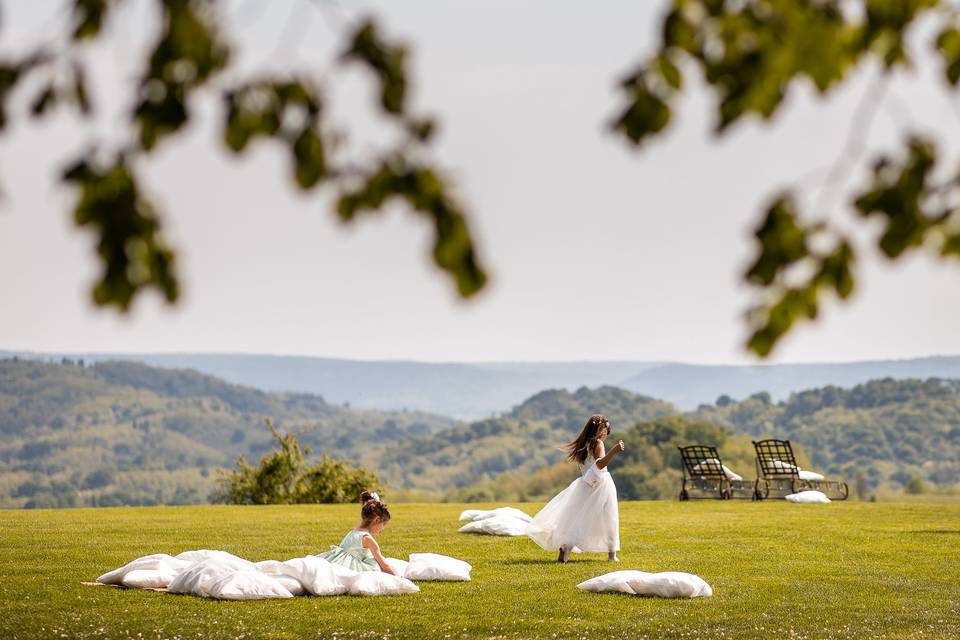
{"x": 189, "y": 53}
{"x": 284, "y": 477}
{"x": 751, "y": 53}
{"x": 131, "y": 248}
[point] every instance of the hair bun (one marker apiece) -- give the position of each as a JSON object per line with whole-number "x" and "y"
{"x": 368, "y": 496}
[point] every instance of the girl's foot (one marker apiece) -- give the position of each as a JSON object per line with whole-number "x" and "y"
{"x": 564, "y": 554}
{"x": 612, "y": 557}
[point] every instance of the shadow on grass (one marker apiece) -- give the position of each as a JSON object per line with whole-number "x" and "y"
{"x": 942, "y": 532}
{"x": 573, "y": 561}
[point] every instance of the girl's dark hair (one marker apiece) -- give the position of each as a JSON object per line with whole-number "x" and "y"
{"x": 372, "y": 508}
{"x": 587, "y": 440}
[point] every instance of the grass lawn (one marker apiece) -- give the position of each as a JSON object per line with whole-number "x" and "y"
{"x": 844, "y": 570}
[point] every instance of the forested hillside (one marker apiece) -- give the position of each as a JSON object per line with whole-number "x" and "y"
{"x": 125, "y": 433}
{"x": 523, "y": 440}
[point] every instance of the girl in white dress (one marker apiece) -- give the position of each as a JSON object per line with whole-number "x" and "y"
{"x": 584, "y": 516}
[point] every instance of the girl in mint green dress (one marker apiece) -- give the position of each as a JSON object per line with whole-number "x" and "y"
{"x": 359, "y": 551}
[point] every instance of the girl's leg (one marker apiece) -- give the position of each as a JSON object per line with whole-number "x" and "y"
{"x": 612, "y": 556}
{"x": 564, "y": 554}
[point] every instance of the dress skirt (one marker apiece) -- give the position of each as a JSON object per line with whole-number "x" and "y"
{"x": 584, "y": 516}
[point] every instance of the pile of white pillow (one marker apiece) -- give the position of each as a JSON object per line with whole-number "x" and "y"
{"x": 503, "y": 521}
{"x": 224, "y": 576}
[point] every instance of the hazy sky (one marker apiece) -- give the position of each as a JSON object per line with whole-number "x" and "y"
{"x": 596, "y": 251}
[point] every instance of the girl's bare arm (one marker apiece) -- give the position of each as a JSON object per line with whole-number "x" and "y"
{"x": 374, "y": 548}
{"x": 604, "y": 460}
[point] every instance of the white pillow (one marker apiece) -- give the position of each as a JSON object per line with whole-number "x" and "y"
{"x": 201, "y": 577}
{"x": 666, "y": 584}
{"x": 318, "y": 575}
{"x": 809, "y": 475}
{"x": 808, "y": 497}
{"x": 782, "y": 466}
{"x": 710, "y": 464}
{"x": 290, "y": 584}
{"x": 206, "y": 554}
{"x": 247, "y": 585}
{"x": 497, "y": 526}
{"x": 399, "y": 566}
{"x": 377, "y": 583}
{"x": 671, "y": 584}
{"x": 480, "y": 514}
{"x": 433, "y": 566}
{"x": 149, "y": 578}
{"x": 152, "y": 562}
{"x": 613, "y": 581}
{"x": 513, "y": 513}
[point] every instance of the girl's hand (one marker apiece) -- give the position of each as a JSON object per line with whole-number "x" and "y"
{"x": 619, "y": 446}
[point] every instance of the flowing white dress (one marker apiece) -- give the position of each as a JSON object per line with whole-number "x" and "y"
{"x": 584, "y": 515}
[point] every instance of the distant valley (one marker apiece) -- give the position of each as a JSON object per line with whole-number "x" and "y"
{"x": 113, "y": 433}
{"x": 470, "y": 391}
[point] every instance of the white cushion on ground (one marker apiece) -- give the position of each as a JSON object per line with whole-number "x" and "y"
{"x": 666, "y": 584}
{"x": 377, "y": 583}
{"x": 808, "y": 497}
{"x": 433, "y": 566}
{"x": 399, "y": 566}
{"x": 290, "y": 584}
{"x": 497, "y": 526}
{"x": 480, "y": 514}
{"x": 149, "y": 578}
{"x": 247, "y": 585}
{"x": 613, "y": 581}
{"x": 809, "y": 475}
{"x": 152, "y": 562}
{"x": 671, "y": 584}
{"x": 711, "y": 464}
{"x": 318, "y": 575}
{"x": 206, "y": 554}
{"x": 201, "y": 577}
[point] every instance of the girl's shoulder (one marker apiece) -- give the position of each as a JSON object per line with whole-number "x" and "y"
{"x": 598, "y": 450}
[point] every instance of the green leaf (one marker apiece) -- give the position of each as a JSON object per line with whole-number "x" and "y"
{"x": 309, "y": 161}
{"x": 897, "y": 195}
{"x": 187, "y": 54}
{"x": 426, "y": 193}
{"x": 781, "y": 239}
{"x": 88, "y": 18}
{"x": 645, "y": 115}
{"x": 386, "y": 60}
{"x": 669, "y": 71}
{"x": 133, "y": 252}
{"x": 44, "y": 101}
{"x": 948, "y": 44}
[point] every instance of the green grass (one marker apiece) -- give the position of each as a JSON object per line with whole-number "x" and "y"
{"x": 845, "y": 570}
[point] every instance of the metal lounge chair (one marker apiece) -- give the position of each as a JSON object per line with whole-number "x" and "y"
{"x": 779, "y": 475}
{"x": 704, "y": 477}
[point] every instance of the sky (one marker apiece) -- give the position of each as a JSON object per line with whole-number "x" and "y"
{"x": 596, "y": 251}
